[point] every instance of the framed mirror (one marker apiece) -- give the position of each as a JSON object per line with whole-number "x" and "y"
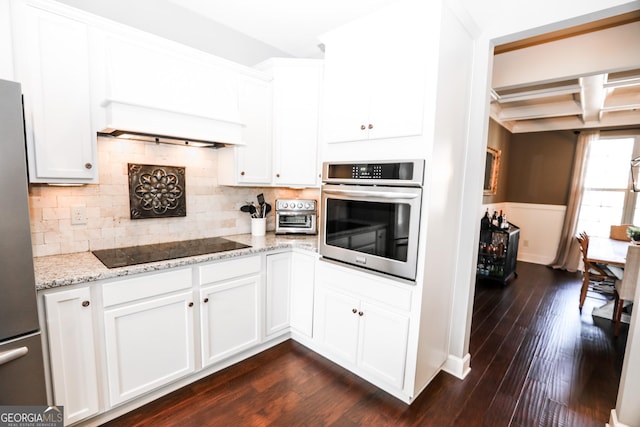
{"x": 492, "y": 167}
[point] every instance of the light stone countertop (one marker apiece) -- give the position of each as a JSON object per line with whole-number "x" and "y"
{"x": 70, "y": 269}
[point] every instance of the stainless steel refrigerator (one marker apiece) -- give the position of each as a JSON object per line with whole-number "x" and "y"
{"x": 22, "y": 380}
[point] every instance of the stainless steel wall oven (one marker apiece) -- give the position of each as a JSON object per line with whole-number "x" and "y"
{"x": 370, "y": 215}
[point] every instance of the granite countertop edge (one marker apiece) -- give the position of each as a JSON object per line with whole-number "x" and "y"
{"x": 56, "y": 271}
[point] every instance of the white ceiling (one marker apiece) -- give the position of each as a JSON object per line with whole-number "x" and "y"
{"x": 289, "y": 25}
{"x": 569, "y": 99}
{"x": 587, "y": 80}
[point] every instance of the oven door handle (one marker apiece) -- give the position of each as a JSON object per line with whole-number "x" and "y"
{"x": 364, "y": 194}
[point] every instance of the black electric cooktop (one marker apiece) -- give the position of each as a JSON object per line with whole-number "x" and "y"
{"x": 132, "y": 255}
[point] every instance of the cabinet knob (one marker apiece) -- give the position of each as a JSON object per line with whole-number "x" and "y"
{"x": 363, "y": 127}
{"x": 360, "y": 313}
{"x": 191, "y": 304}
{"x": 370, "y": 126}
{"x": 85, "y": 303}
{"x": 88, "y": 165}
{"x": 242, "y": 173}
{"x": 277, "y": 175}
{"x": 206, "y": 300}
{"x": 354, "y": 310}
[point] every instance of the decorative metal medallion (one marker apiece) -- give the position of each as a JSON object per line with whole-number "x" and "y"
{"x": 157, "y": 191}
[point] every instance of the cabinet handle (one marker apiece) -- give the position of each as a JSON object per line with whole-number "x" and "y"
{"x": 360, "y": 313}
{"x": 363, "y": 127}
{"x": 370, "y": 126}
{"x": 191, "y": 304}
{"x": 206, "y": 300}
{"x": 88, "y": 165}
{"x": 242, "y": 173}
{"x": 354, "y": 310}
{"x": 85, "y": 303}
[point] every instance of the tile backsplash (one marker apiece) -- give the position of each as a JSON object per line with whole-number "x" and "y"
{"x": 212, "y": 210}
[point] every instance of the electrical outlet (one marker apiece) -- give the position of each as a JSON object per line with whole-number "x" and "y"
{"x": 78, "y": 215}
{"x": 525, "y": 243}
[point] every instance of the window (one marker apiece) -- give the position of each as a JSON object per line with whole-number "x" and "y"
{"x": 607, "y": 199}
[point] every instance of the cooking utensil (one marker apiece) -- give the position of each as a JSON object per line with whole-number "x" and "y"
{"x": 267, "y": 209}
{"x": 246, "y": 208}
{"x": 261, "y": 203}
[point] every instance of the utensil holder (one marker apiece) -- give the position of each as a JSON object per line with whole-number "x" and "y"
{"x": 258, "y": 226}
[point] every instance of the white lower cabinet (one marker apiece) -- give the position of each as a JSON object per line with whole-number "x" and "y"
{"x": 230, "y": 318}
{"x": 302, "y": 282}
{"x": 142, "y": 334}
{"x": 230, "y": 297}
{"x": 72, "y": 352}
{"x": 289, "y": 293}
{"x": 149, "y": 332}
{"x": 364, "y": 322}
{"x": 277, "y": 293}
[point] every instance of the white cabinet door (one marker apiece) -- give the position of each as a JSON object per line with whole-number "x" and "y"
{"x": 383, "y": 343}
{"x": 363, "y": 320}
{"x": 72, "y": 351}
{"x": 302, "y": 282}
{"x": 347, "y": 91}
{"x": 296, "y": 103}
{"x": 52, "y": 58}
{"x": 250, "y": 164}
{"x": 277, "y": 292}
{"x": 337, "y": 323}
{"x": 230, "y": 318}
{"x": 149, "y": 344}
{"x": 374, "y": 80}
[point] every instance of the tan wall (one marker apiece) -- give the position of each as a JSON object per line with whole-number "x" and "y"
{"x": 540, "y": 167}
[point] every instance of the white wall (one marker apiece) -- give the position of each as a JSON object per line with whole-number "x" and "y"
{"x": 6, "y": 50}
{"x": 540, "y": 228}
{"x": 565, "y": 58}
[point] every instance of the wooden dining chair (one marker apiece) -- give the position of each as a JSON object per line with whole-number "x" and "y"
{"x": 596, "y": 277}
{"x": 619, "y": 232}
{"x": 626, "y": 288}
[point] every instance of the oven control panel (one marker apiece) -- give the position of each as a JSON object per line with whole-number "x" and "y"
{"x": 400, "y": 173}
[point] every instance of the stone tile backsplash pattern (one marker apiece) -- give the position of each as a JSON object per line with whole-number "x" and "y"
{"x": 212, "y": 210}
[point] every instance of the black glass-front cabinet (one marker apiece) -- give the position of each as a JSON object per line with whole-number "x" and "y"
{"x": 498, "y": 253}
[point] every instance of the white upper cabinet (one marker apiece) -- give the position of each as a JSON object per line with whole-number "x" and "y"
{"x": 250, "y": 164}
{"x": 374, "y": 78}
{"x": 52, "y": 57}
{"x": 281, "y": 116}
{"x": 296, "y": 101}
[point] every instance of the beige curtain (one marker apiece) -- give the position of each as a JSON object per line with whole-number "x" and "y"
{"x": 568, "y": 254}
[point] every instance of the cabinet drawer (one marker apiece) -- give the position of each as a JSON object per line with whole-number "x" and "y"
{"x": 146, "y": 286}
{"x": 230, "y": 269}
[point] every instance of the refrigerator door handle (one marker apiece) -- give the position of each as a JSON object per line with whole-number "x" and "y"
{"x": 8, "y": 356}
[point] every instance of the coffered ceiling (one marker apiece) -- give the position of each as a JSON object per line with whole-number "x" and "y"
{"x": 587, "y": 77}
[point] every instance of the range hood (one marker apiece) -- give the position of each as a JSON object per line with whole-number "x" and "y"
{"x": 126, "y": 120}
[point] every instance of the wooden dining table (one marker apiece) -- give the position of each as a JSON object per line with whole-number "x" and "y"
{"x": 604, "y": 250}
{"x": 613, "y": 253}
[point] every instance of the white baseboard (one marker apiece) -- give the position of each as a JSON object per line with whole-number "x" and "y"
{"x": 458, "y": 367}
{"x": 613, "y": 420}
{"x": 534, "y": 258}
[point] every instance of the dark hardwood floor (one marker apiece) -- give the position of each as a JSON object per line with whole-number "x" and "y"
{"x": 535, "y": 361}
